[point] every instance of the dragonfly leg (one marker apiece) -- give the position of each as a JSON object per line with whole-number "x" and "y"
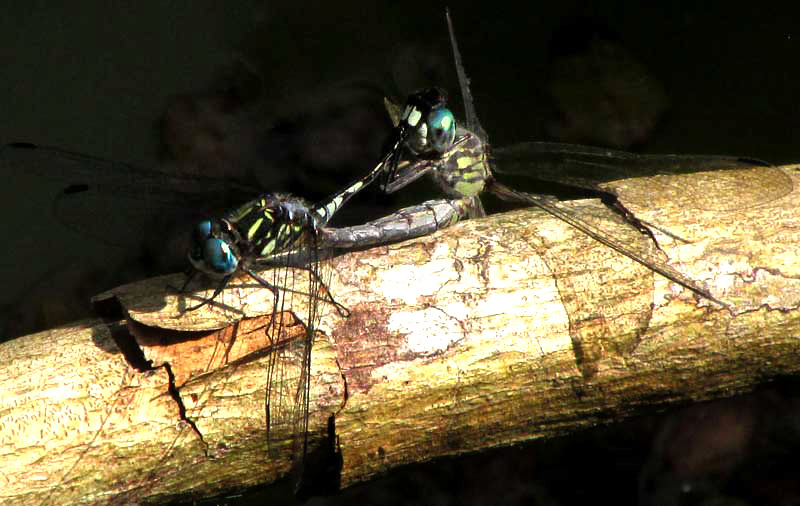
{"x": 406, "y": 172}
{"x": 400, "y": 178}
{"x": 190, "y": 274}
{"x": 340, "y": 308}
{"x": 269, "y": 286}
{"x": 221, "y": 286}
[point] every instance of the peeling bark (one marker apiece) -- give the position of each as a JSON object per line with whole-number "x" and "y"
{"x": 492, "y": 332}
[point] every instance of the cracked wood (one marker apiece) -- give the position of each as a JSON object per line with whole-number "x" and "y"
{"x": 493, "y": 332}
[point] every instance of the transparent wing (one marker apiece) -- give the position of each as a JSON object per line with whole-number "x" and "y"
{"x": 115, "y": 203}
{"x": 643, "y": 252}
{"x": 471, "y": 116}
{"x": 130, "y": 223}
{"x": 306, "y": 294}
{"x": 590, "y": 167}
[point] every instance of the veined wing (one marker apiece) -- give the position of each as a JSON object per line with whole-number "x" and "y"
{"x": 591, "y": 168}
{"x": 648, "y": 255}
{"x": 317, "y": 464}
{"x": 471, "y": 117}
{"x": 115, "y": 203}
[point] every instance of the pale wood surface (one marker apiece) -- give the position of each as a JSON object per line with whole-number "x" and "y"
{"x": 493, "y": 332}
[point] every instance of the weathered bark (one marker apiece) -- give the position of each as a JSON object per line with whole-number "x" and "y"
{"x": 493, "y": 332}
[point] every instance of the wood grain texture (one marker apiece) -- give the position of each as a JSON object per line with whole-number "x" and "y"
{"x": 492, "y": 332}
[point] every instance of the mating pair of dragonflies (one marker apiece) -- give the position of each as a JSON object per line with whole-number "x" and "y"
{"x": 275, "y": 230}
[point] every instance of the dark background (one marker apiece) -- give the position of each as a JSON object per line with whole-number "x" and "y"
{"x": 96, "y": 79}
{"x": 101, "y": 78}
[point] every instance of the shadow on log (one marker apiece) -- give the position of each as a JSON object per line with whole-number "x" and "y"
{"x": 493, "y": 332}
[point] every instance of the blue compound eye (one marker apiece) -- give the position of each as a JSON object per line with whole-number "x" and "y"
{"x": 441, "y": 129}
{"x": 202, "y": 231}
{"x": 219, "y": 257}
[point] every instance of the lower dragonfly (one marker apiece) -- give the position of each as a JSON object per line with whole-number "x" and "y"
{"x": 277, "y": 230}
{"x": 460, "y": 161}
{"x": 272, "y": 230}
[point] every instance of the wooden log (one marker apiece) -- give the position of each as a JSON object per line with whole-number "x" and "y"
{"x": 493, "y": 332}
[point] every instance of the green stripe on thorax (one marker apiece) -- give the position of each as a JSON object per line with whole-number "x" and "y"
{"x": 464, "y": 169}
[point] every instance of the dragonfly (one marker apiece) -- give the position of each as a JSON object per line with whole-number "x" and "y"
{"x": 270, "y": 230}
{"x": 132, "y": 221}
{"x": 279, "y": 230}
{"x": 462, "y": 164}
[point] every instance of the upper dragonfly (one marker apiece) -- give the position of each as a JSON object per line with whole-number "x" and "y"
{"x": 460, "y": 161}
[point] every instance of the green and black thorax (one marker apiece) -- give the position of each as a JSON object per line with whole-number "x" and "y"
{"x": 266, "y": 230}
{"x": 278, "y": 223}
{"x": 459, "y": 162}
{"x": 463, "y": 170}
{"x": 271, "y": 224}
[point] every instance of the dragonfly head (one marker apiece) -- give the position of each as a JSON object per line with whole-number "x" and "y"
{"x": 212, "y": 250}
{"x": 428, "y": 125}
{"x": 441, "y": 129}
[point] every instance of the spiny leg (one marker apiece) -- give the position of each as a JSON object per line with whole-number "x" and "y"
{"x": 190, "y": 274}
{"x": 340, "y": 308}
{"x": 411, "y": 170}
{"x": 402, "y": 178}
{"x": 222, "y": 284}
{"x": 269, "y": 286}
